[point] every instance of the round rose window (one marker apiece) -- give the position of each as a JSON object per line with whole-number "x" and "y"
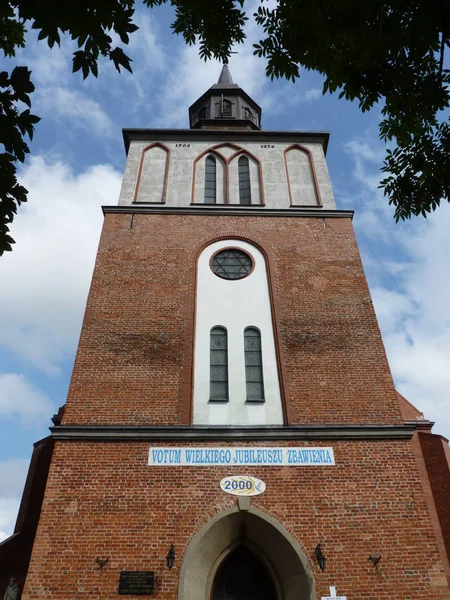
{"x": 231, "y": 264}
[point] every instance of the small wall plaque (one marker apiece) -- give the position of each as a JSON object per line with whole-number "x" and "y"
{"x": 242, "y": 485}
{"x": 136, "y": 583}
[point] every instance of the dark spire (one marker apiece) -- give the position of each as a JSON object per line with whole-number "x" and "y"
{"x": 225, "y": 105}
{"x": 225, "y": 76}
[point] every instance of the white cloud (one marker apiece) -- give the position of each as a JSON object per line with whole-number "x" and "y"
{"x": 145, "y": 44}
{"x": 409, "y": 263}
{"x": 12, "y": 476}
{"x": 392, "y": 307}
{"x": 47, "y": 275}
{"x": 20, "y": 399}
{"x": 49, "y": 66}
{"x": 8, "y": 515}
{"x": 60, "y": 94}
{"x": 367, "y": 150}
{"x": 367, "y": 161}
{"x": 75, "y": 105}
{"x": 151, "y": 59}
{"x": 12, "y": 480}
{"x": 184, "y": 83}
{"x": 312, "y": 93}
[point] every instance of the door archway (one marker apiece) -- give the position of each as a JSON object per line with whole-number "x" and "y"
{"x": 270, "y": 543}
{"x": 243, "y": 576}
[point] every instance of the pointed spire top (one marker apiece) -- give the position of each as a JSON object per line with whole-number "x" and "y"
{"x": 225, "y": 105}
{"x": 225, "y": 80}
{"x": 225, "y": 76}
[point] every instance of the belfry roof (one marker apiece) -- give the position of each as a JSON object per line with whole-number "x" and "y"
{"x": 225, "y": 104}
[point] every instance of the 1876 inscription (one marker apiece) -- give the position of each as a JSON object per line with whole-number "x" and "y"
{"x": 137, "y": 583}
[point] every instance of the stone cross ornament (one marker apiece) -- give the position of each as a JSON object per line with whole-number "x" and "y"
{"x": 333, "y": 595}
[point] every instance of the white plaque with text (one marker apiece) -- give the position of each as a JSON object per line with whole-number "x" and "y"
{"x": 190, "y": 456}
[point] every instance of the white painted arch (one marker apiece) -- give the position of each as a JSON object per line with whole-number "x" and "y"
{"x": 265, "y": 536}
{"x": 235, "y": 305}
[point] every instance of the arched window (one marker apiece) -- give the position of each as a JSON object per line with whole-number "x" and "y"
{"x": 245, "y": 193}
{"x": 210, "y": 180}
{"x": 218, "y": 360}
{"x": 253, "y": 365}
{"x": 242, "y": 576}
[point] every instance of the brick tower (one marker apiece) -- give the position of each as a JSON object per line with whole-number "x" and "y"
{"x": 232, "y": 430}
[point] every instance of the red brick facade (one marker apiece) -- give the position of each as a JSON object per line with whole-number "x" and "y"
{"x": 103, "y": 501}
{"x": 134, "y": 359}
{"x": 134, "y": 368}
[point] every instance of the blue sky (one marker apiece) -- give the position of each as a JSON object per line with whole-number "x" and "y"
{"x": 76, "y": 163}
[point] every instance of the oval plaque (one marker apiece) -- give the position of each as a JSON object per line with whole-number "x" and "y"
{"x": 242, "y": 485}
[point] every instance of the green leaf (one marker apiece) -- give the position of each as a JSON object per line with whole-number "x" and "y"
{"x": 120, "y": 59}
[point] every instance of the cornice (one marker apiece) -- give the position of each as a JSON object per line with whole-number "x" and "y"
{"x": 221, "y": 135}
{"x": 186, "y": 433}
{"x": 228, "y": 210}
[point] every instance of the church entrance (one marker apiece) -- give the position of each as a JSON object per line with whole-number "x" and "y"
{"x": 245, "y": 555}
{"x": 242, "y": 576}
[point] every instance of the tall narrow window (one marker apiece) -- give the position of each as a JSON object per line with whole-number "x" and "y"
{"x": 210, "y": 180}
{"x": 253, "y": 365}
{"x": 245, "y": 193}
{"x": 218, "y": 365}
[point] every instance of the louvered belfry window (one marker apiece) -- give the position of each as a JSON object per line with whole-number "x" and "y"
{"x": 245, "y": 193}
{"x": 253, "y": 365}
{"x": 210, "y": 180}
{"x": 226, "y": 108}
{"x": 248, "y": 114}
{"x": 218, "y": 365}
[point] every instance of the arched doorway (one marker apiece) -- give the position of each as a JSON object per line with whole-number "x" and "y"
{"x": 243, "y": 576}
{"x": 268, "y": 544}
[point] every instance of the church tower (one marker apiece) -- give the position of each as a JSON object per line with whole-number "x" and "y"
{"x": 232, "y": 430}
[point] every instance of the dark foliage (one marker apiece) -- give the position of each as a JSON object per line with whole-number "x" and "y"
{"x": 390, "y": 52}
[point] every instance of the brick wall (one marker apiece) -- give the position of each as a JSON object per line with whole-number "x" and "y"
{"x": 15, "y": 551}
{"x": 435, "y": 453}
{"x": 134, "y": 361}
{"x": 134, "y": 366}
{"x": 102, "y": 500}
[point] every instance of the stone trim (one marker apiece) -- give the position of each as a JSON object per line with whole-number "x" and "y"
{"x": 282, "y": 554}
{"x": 204, "y": 433}
{"x": 212, "y": 210}
{"x": 219, "y": 135}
